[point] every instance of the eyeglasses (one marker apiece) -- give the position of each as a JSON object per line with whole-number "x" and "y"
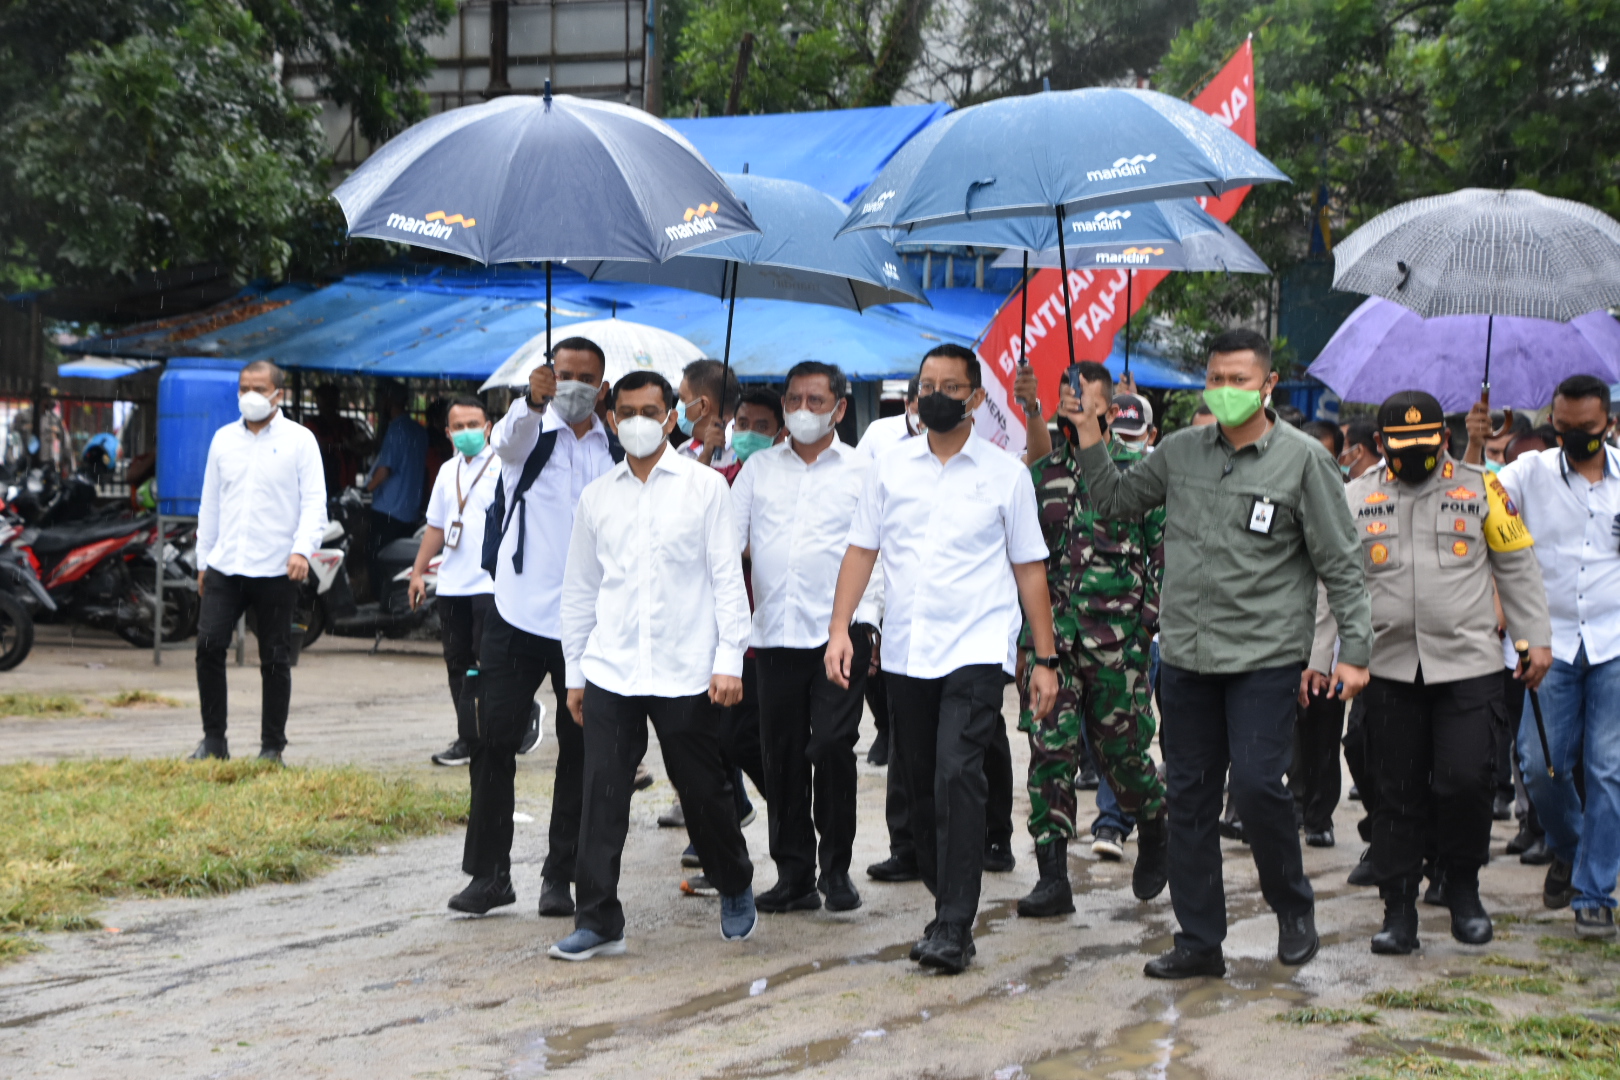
{"x": 950, "y": 389}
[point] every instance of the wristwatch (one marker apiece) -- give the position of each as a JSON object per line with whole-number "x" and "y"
{"x": 1047, "y": 662}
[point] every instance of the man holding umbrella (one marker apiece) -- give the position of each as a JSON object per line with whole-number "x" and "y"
{"x": 1247, "y": 499}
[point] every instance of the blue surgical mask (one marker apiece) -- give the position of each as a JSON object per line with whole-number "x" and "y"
{"x": 1492, "y": 466}
{"x": 681, "y": 420}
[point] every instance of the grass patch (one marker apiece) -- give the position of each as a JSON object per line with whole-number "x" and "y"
{"x": 1484, "y": 983}
{"x": 1497, "y": 960}
{"x": 40, "y": 705}
{"x": 142, "y": 699}
{"x": 77, "y": 833}
{"x": 1429, "y": 999}
{"x": 1324, "y": 1015}
{"x": 1574, "y": 946}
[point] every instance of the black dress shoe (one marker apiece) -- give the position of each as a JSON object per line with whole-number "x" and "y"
{"x": 1537, "y": 854}
{"x": 1362, "y": 873}
{"x": 1470, "y": 923}
{"x": 1319, "y": 837}
{"x": 839, "y": 891}
{"x": 998, "y": 858}
{"x": 270, "y": 755}
{"x": 484, "y": 894}
{"x": 1152, "y": 871}
{"x": 950, "y": 949}
{"x": 554, "y": 899}
{"x": 1435, "y": 894}
{"x": 1052, "y": 894}
{"x": 211, "y": 748}
{"x": 531, "y": 737}
{"x": 879, "y": 753}
{"x": 1297, "y": 941}
{"x": 893, "y": 869}
{"x": 1354, "y": 794}
{"x": 1087, "y": 780}
{"x": 1557, "y": 890}
{"x": 1232, "y": 829}
{"x": 785, "y": 896}
{"x": 921, "y": 943}
{"x": 1399, "y": 935}
{"x": 1183, "y": 963}
{"x": 1502, "y": 807}
{"x": 1522, "y": 840}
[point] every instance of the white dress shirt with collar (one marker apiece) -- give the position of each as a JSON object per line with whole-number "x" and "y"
{"x": 1573, "y": 523}
{"x": 796, "y": 517}
{"x": 531, "y": 601}
{"x": 263, "y": 499}
{"x": 461, "y": 572}
{"x": 653, "y": 603}
{"x": 884, "y": 432}
{"x": 948, "y": 537}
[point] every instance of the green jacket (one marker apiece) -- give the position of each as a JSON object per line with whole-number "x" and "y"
{"x": 1104, "y": 575}
{"x": 1247, "y": 534}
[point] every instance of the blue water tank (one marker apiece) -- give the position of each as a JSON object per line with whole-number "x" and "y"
{"x": 196, "y": 397}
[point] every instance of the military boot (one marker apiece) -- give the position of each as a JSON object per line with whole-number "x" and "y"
{"x": 1051, "y": 894}
{"x": 1152, "y": 872}
{"x": 1470, "y": 922}
{"x": 1400, "y": 933}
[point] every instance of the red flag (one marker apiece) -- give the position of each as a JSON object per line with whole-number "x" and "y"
{"x": 1096, "y": 297}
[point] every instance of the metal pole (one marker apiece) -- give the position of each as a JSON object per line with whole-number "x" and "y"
{"x": 157, "y": 614}
{"x": 548, "y": 311}
{"x": 1063, "y": 267}
{"x": 731, "y": 313}
{"x": 1130, "y": 277}
{"x": 1023, "y": 312}
{"x": 1485, "y": 386}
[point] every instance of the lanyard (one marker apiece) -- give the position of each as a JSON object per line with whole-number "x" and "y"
{"x": 461, "y": 500}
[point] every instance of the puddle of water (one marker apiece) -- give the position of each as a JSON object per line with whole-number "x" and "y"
{"x": 1379, "y": 1044}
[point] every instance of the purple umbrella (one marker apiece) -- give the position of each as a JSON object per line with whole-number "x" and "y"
{"x": 1384, "y": 348}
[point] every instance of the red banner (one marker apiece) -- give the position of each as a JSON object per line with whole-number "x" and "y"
{"x": 1096, "y": 297}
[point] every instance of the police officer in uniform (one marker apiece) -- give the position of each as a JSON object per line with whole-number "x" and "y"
{"x": 1434, "y": 532}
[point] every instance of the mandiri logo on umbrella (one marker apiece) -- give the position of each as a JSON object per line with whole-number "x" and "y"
{"x": 1131, "y": 256}
{"x": 1123, "y": 167}
{"x": 435, "y": 225}
{"x": 1105, "y": 221}
{"x": 698, "y": 220}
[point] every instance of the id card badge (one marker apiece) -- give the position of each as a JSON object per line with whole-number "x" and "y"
{"x": 1260, "y": 517}
{"x": 452, "y": 535}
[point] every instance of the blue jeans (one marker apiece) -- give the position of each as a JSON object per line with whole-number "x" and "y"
{"x": 1581, "y": 705}
{"x": 1109, "y": 815}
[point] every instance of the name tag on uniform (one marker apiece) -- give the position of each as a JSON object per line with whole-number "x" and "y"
{"x": 1260, "y": 517}
{"x": 452, "y": 535}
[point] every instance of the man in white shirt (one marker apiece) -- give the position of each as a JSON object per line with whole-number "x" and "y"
{"x": 262, "y": 514}
{"x": 954, "y": 520}
{"x": 1570, "y": 501}
{"x": 886, "y": 431}
{"x": 654, "y": 623}
{"x": 464, "y": 593}
{"x": 556, "y": 427}
{"x": 794, "y": 504}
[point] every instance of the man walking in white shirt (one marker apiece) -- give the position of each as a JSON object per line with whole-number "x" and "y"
{"x": 262, "y": 514}
{"x": 465, "y": 593}
{"x": 794, "y": 504}
{"x": 551, "y": 445}
{"x": 654, "y": 623}
{"x": 954, "y": 520}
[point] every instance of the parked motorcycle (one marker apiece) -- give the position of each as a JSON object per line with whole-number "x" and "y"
{"x": 17, "y": 577}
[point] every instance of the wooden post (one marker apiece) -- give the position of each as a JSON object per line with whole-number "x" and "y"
{"x": 497, "y": 50}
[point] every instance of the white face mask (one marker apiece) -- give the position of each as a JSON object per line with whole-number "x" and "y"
{"x": 806, "y": 426}
{"x": 255, "y": 406}
{"x": 640, "y": 436}
{"x": 912, "y": 424}
{"x": 574, "y": 401}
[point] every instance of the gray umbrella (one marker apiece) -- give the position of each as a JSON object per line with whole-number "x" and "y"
{"x": 1484, "y": 252}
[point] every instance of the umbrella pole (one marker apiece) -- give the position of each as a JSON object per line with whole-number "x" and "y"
{"x": 1063, "y": 268}
{"x": 1023, "y": 313}
{"x": 1130, "y": 279}
{"x": 548, "y": 311}
{"x": 731, "y": 313}
{"x": 1485, "y": 386}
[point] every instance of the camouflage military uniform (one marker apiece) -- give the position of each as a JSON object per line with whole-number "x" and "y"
{"x": 1104, "y": 577}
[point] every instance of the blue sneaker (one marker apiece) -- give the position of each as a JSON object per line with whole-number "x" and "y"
{"x": 585, "y": 944}
{"x": 738, "y": 916}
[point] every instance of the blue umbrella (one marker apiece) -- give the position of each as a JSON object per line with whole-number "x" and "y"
{"x": 1058, "y": 154}
{"x": 794, "y": 256}
{"x": 534, "y": 179}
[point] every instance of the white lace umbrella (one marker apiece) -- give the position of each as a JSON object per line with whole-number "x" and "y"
{"x": 630, "y": 346}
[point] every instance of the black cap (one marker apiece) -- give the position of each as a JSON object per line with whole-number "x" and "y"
{"x": 1135, "y": 415}
{"x": 1411, "y": 412}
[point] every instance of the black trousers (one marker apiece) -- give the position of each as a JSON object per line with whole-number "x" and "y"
{"x": 943, "y": 728}
{"x": 998, "y": 778}
{"x": 513, "y": 664}
{"x": 1314, "y": 778}
{"x": 808, "y": 727}
{"x": 461, "y": 633}
{"x": 1431, "y": 749}
{"x": 226, "y": 597}
{"x": 384, "y": 531}
{"x": 1244, "y": 722}
{"x": 739, "y": 730}
{"x": 1355, "y": 759}
{"x": 615, "y": 742}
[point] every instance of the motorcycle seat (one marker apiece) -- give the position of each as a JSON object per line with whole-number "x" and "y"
{"x": 65, "y": 538}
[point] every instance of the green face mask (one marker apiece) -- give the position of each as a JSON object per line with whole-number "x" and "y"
{"x": 747, "y": 443}
{"x": 1492, "y": 466}
{"x": 469, "y": 442}
{"x": 1230, "y": 405}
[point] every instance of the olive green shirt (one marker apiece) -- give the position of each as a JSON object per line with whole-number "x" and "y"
{"x": 1247, "y": 534}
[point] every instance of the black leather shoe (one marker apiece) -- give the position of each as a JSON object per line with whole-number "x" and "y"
{"x": 554, "y": 900}
{"x": 1362, "y": 872}
{"x": 921, "y": 943}
{"x": 1088, "y": 779}
{"x": 1152, "y": 871}
{"x": 1231, "y": 829}
{"x": 1052, "y": 894}
{"x": 785, "y": 896}
{"x": 1470, "y": 923}
{"x": 270, "y": 755}
{"x": 1537, "y": 854}
{"x": 1399, "y": 935}
{"x": 1435, "y": 894}
{"x": 893, "y": 869}
{"x": 1354, "y": 794}
{"x": 998, "y": 858}
{"x": 950, "y": 949}
{"x": 1182, "y": 963}
{"x": 1556, "y": 890}
{"x": 1319, "y": 837}
{"x": 483, "y": 894}
{"x": 1502, "y": 807}
{"x": 1522, "y": 840}
{"x": 879, "y": 753}
{"x": 211, "y": 748}
{"x": 1297, "y": 941}
{"x": 839, "y": 891}
{"x": 531, "y": 737}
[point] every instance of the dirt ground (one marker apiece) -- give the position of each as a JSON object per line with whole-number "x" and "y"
{"x": 363, "y": 972}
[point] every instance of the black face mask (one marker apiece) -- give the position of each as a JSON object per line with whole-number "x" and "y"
{"x": 1414, "y": 464}
{"x": 941, "y": 412}
{"x": 1580, "y": 445}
